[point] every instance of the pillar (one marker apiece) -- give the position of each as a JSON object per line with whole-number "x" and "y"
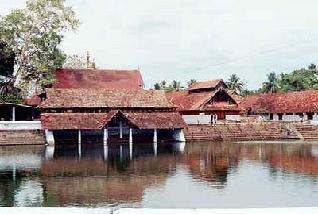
{"x": 105, "y": 136}
{"x": 13, "y": 113}
{"x": 130, "y": 151}
{"x": 130, "y": 135}
{"x": 120, "y": 129}
{"x": 79, "y": 137}
{"x": 155, "y": 136}
{"x": 49, "y": 137}
{"x": 178, "y": 135}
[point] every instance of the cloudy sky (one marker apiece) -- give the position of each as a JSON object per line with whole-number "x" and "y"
{"x": 185, "y": 39}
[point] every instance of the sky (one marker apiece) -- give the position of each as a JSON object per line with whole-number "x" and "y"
{"x": 191, "y": 39}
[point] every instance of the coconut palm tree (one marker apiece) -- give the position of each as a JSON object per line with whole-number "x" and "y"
{"x": 235, "y": 84}
{"x": 272, "y": 84}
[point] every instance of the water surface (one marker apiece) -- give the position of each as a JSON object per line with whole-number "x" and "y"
{"x": 202, "y": 175}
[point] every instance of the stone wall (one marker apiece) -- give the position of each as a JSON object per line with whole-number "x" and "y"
{"x": 239, "y": 132}
{"x": 21, "y": 137}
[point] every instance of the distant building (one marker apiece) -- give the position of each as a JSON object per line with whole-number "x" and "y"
{"x": 291, "y": 106}
{"x": 97, "y": 78}
{"x": 206, "y": 101}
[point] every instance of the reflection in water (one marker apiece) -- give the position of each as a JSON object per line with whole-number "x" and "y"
{"x": 160, "y": 175}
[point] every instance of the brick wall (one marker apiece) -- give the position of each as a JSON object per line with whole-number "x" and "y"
{"x": 21, "y": 137}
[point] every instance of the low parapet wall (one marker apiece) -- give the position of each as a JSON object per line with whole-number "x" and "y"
{"x": 21, "y": 137}
{"x": 20, "y": 125}
{"x": 239, "y": 132}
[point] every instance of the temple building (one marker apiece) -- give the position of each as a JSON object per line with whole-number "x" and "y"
{"x": 206, "y": 102}
{"x": 106, "y": 106}
{"x": 290, "y": 106}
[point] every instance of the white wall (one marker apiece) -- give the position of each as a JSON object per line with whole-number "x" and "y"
{"x": 20, "y": 125}
{"x": 197, "y": 119}
{"x": 292, "y": 118}
{"x": 233, "y": 117}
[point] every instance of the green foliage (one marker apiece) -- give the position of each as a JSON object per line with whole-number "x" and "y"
{"x": 75, "y": 62}
{"x": 272, "y": 84}
{"x": 174, "y": 86}
{"x": 235, "y": 84}
{"x": 191, "y": 81}
{"x": 10, "y": 94}
{"x": 6, "y": 61}
{"x": 298, "y": 80}
{"x": 34, "y": 34}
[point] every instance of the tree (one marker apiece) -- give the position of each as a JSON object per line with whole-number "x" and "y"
{"x": 74, "y": 61}
{"x": 312, "y": 67}
{"x": 191, "y": 81}
{"x": 6, "y": 61}
{"x": 272, "y": 84}
{"x": 235, "y": 84}
{"x": 34, "y": 34}
{"x": 174, "y": 86}
{"x": 160, "y": 86}
{"x": 302, "y": 79}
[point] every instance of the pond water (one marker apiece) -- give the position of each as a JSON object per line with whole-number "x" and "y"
{"x": 201, "y": 175}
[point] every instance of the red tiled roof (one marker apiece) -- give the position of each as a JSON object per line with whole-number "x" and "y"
{"x": 291, "y": 102}
{"x": 198, "y": 101}
{"x": 205, "y": 84}
{"x": 159, "y": 120}
{"x": 94, "y": 98}
{"x": 74, "y": 120}
{"x": 96, "y": 78}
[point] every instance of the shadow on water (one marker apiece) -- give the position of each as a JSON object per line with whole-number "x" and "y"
{"x": 118, "y": 174}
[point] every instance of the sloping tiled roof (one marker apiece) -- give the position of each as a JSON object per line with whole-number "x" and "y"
{"x": 198, "y": 101}
{"x": 159, "y": 120}
{"x": 96, "y": 78}
{"x": 74, "y": 120}
{"x": 93, "y": 98}
{"x": 291, "y": 102}
{"x": 205, "y": 84}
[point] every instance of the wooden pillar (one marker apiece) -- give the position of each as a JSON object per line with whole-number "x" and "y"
{"x": 120, "y": 129}
{"x": 13, "y": 113}
{"x": 105, "y": 135}
{"x": 155, "y": 136}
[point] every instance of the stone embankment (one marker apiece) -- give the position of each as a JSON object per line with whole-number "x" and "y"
{"x": 21, "y": 137}
{"x": 309, "y": 132}
{"x": 240, "y": 132}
